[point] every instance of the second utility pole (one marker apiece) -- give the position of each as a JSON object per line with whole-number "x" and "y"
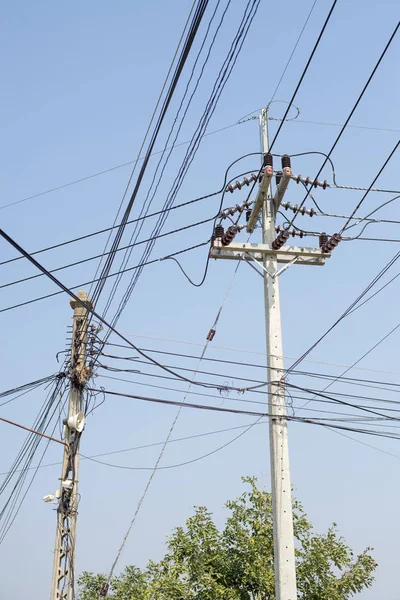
{"x": 268, "y": 255}
{"x": 285, "y": 569}
{"x": 63, "y": 582}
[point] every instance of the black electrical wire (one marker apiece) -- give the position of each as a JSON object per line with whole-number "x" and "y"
{"x": 243, "y": 364}
{"x": 223, "y": 188}
{"x": 88, "y": 307}
{"x": 25, "y": 457}
{"x": 181, "y": 464}
{"x": 100, "y": 231}
{"x": 361, "y": 219}
{"x": 257, "y": 414}
{"x": 186, "y": 404}
{"x": 132, "y": 283}
{"x": 266, "y": 402}
{"x": 90, "y": 258}
{"x": 230, "y": 377}
{"x": 344, "y": 403}
{"x": 369, "y": 189}
{"x": 292, "y": 53}
{"x": 222, "y": 78}
{"x": 164, "y": 162}
{"x": 152, "y": 445}
{"x": 195, "y": 24}
{"x": 347, "y": 311}
{"x": 27, "y": 388}
{"x": 352, "y": 111}
{"x": 150, "y": 262}
{"x": 321, "y": 33}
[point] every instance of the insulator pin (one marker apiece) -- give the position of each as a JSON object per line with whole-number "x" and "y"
{"x": 286, "y": 161}
{"x": 229, "y": 235}
{"x": 210, "y": 335}
{"x": 280, "y": 240}
{"x": 278, "y": 177}
{"x": 248, "y": 214}
{"x": 331, "y": 244}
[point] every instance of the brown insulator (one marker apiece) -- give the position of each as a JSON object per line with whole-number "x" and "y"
{"x": 268, "y": 160}
{"x": 229, "y": 235}
{"x": 323, "y": 238}
{"x": 331, "y": 244}
{"x": 210, "y": 335}
{"x": 218, "y": 231}
{"x": 280, "y": 240}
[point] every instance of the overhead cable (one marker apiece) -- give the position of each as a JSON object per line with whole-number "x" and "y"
{"x": 353, "y": 109}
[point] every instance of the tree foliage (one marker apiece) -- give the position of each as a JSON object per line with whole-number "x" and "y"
{"x": 237, "y": 563}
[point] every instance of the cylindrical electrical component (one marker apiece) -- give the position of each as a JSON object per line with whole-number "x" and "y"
{"x": 210, "y": 335}
{"x": 286, "y": 161}
{"x": 268, "y": 160}
{"x": 280, "y": 240}
{"x": 278, "y": 177}
{"x": 229, "y": 235}
{"x": 248, "y": 214}
{"x": 218, "y": 231}
{"x": 331, "y": 244}
{"x": 323, "y": 238}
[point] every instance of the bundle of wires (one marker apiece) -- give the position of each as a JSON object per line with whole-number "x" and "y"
{"x": 16, "y": 485}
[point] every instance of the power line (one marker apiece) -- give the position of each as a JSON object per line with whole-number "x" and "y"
{"x": 222, "y": 78}
{"x": 145, "y": 446}
{"x": 351, "y": 112}
{"x": 74, "y": 287}
{"x": 166, "y": 102}
{"x": 88, "y": 307}
{"x": 148, "y": 216}
{"x": 244, "y": 351}
{"x": 90, "y": 258}
{"x": 293, "y": 51}
{"x": 195, "y": 24}
{"x": 321, "y": 33}
{"x": 347, "y": 311}
{"x": 164, "y": 161}
{"x": 264, "y": 403}
{"x": 185, "y": 143}
{"x": 181, "y": 464}
{"x": 367, "y": 192}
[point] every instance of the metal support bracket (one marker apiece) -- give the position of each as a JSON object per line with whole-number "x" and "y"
{"x": 256, "y": 252}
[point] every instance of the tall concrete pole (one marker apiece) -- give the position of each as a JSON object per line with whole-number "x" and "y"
{"x": 285, "y": 570}
{"x": 62, "y": 587}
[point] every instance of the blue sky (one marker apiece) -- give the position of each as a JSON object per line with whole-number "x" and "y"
{"x": 79, "y": 85}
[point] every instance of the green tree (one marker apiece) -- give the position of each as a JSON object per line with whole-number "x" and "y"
{"x": 237, "y": 563}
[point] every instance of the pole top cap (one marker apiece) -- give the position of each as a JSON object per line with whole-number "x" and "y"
{"x": 82, "y": 295}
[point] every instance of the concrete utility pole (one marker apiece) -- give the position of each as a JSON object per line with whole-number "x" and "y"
{"x": 62, "y": 587}
{"x": 268, "y": 254}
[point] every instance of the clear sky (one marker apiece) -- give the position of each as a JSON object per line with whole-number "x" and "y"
{"x": 79, "y": 82}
